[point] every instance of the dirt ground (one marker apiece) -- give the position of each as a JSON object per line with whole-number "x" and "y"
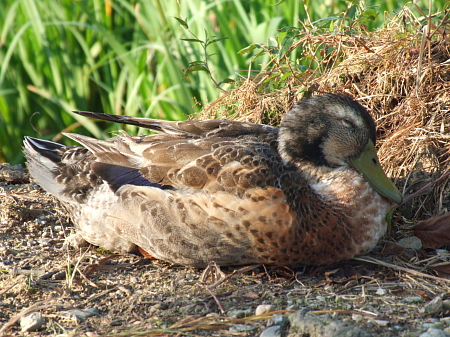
{"x": 131, "y": 295}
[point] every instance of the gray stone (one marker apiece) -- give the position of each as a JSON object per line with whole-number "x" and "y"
{"x": 61, "y": 275}
{"x": 240, "y": 313}
{"x": 242, "y": 328}
{"x": 433, "y": 332}
{"x": 48, "y": 275}
{"x": 12, "y": 174}
{"x": 273, "y": 331}
{"x": 411, "y": 242}
{"x": 434, "y": 307}
{"x": 433, "y": 325}
{"x": 306, "y": 323}
{"x": 413, "y": 299}
{"x": 264, "y": 309}
{"x": 278, "y": 320}
{"x": 82, "y": 314}
{"x": 31, "y": 322}
{"x": 446, "y": 304}
{"x": 18, "y": 167}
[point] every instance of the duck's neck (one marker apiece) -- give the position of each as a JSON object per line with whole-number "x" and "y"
{"x": 360, "y": 209}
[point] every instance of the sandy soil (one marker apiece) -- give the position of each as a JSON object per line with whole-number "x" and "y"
{"x": 131, "y": 294}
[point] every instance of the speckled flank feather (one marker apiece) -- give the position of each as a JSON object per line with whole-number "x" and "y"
{"x": 222, "y": 191}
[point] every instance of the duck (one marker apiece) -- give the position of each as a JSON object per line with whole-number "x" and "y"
{"x": 310, "y": 192}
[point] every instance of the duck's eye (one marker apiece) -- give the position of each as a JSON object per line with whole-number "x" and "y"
{"x": 348, "y": 124}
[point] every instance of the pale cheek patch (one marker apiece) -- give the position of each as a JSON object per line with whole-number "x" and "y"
{"x": 331, "y": 151}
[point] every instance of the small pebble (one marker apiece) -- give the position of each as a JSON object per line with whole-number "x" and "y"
{"x": 6, "y": 261}
{"x": 242, "y": 328}
{"x": 31, "y": 322}
{"x": 432, "y": 332}
{"x": 45, "y": 241}
{"x": 82, "y": 314}
{"x": 273, "y": 331}
{"x": 160, "y": 306}
{"x": 398, "y": 327}
{"x": 380, "y": 322}
{"x": 48, "y": 275}
{"x": 412, "y": 242}
{"x": 264, "y": 309}
{"x": 59, "y": 275}
{"x": 413, "y": 299}
{"x": 31, "y": 243}
{"x": 381, "y": 291}
{"x": 357, "y": 317}
{"x": 91, "y": 334}
{"x": 240, "y": 313}
{"x": 292, "y": 307}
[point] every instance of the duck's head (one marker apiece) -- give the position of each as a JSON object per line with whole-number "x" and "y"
{"x": 327, "y": 132}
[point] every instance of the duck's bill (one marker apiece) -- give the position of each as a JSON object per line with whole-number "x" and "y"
{"x": 368, "y": 164}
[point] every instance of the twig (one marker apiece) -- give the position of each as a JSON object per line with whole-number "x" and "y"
{"x": 216, "y": 299}
{"x": 393, "y": 266}
{"x": 7, "y": 289}
{"x": 418, "y": 192}
{"x": 91, "y": 298}
{"x": 235, "y": 272}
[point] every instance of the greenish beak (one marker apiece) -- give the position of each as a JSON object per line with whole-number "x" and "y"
{"x": 369, "y": 165}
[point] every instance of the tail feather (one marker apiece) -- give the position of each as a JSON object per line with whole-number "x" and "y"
{"x": 71, "y": 173}
{"x": 46, "y": 148}
{"x": 42, "y": 162}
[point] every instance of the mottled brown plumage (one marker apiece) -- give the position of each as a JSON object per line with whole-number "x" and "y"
{"x": 224, "y": 191}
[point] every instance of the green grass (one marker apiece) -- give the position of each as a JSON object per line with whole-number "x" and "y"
{"x": 127, "y": 57}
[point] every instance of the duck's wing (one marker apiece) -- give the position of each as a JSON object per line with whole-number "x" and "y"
{"x": 210, "y": 155}
{"x": 188, "y": 154}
